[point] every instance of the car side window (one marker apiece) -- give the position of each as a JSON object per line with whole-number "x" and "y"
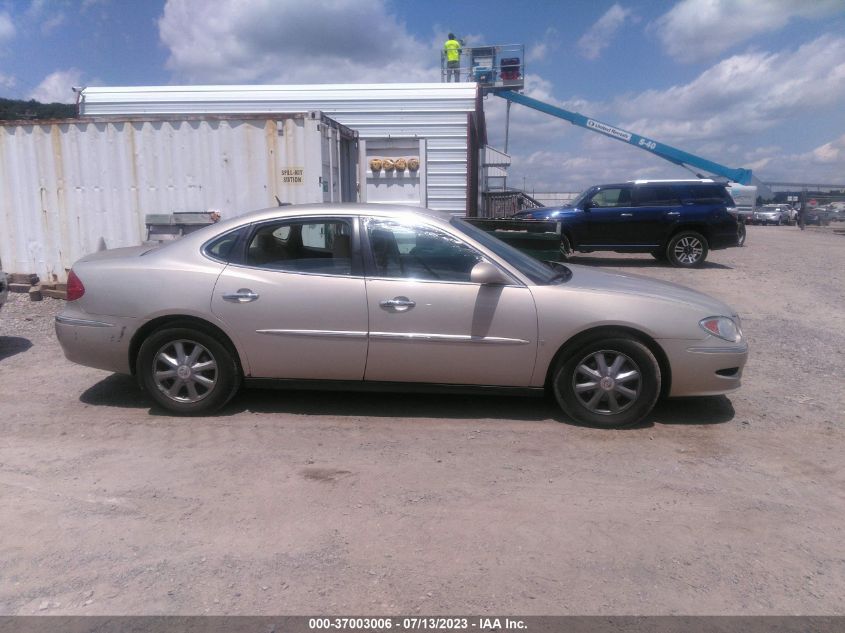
{"x": 656, "y": 196}
{"x": 321, "y": 246}
{"x": 419, "y": 252}
{"x": 711, "y": 194}
{"x": 613, "y": 197}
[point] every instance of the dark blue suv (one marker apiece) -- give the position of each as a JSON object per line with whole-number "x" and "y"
{"x": 678, "y": 220}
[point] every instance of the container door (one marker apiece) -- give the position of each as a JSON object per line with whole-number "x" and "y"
{"x": 393, "y": 171}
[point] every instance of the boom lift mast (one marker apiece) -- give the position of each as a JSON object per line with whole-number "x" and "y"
{"x": 666, "y": 152}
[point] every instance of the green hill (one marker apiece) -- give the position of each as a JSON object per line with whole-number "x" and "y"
{"x": 15, "y": 109}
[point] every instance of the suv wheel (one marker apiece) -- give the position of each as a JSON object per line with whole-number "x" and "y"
{"x": 687, "y": 249}
{"x": 565, "y": 249}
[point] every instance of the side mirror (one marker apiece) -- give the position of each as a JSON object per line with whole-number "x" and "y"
{"x": 587, "y": 205}
{"x": 487, "y": 274}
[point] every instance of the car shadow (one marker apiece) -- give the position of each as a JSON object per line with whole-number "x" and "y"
{"x": 12, "y": 345}
{"x": 625, "y": 262}
{"x": 123, "y": 391}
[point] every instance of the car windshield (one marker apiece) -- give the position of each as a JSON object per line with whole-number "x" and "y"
{"x": 539, "y": 272}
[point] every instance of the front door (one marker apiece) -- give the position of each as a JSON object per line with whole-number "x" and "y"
{"x": 296, "y": 300}
{"x": 429, "y": 323}
{"x": 609, "y": 216}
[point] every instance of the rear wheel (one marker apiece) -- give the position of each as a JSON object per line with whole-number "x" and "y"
{"x": 687, "y": 249}
{"x": 608, "y": 382}
{"x": 187, "y": 371}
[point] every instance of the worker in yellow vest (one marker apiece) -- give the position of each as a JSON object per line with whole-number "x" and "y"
{"x": 452, "y": 49}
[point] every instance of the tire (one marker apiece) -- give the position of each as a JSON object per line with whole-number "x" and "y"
{"x": 565, "y": 249}
{"x": 742, "y": 234}
{"x": 687, "y": 249}
{"x": 187, "y": 371}
{"x": 626, "y": 386}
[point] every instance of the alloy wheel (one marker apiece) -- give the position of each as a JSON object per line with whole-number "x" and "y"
{"x": 607, "y": 382}
{"x": 184, "y": 371}
{"x": 688, "y": 250}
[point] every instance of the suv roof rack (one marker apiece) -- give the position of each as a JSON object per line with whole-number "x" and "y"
{"x": 650, "y": 180}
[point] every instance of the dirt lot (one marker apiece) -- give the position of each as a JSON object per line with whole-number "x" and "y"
{"x": 294, "y": 502}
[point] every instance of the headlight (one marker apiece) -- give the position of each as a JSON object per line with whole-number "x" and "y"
{"x": 723, "y": 327}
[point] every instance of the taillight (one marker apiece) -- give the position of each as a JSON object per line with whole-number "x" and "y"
{"x": 75, "y": 289}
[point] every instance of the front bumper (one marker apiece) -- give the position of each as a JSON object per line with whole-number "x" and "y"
{"x": 99, "y": 342}
{"x": 707, "y": 367}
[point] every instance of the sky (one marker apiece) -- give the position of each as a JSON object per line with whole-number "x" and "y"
{"x": 747, "y": 83}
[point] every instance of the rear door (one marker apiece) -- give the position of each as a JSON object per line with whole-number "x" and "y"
{"x": 295, "y": 298}
{"x": 657, "y": 208}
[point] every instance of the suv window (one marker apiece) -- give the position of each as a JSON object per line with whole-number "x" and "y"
{"x": 612, "y": 197}
{"x": 314, "y": 245}
{"x": 710, "y": 194}
{"x": 656, "y": 196}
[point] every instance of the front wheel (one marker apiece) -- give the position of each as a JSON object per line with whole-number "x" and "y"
{"x": 687, "y": 249}
{"x": 187, "y": 371}
{"x": 609, "y": 382}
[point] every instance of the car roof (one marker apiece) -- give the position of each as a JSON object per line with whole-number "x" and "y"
{"x": 691, "y": 181}
{"x": 396, "y": 211}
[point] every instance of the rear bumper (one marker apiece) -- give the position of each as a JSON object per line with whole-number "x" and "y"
{"x": 706, "y": 367}
{"x": 99, "y": 342}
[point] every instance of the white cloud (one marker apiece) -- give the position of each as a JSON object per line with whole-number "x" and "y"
{"x": 323, "y": 41}
{"x": 7, "y": 28}
{"x": 52, "y": 23}
{"x": 7, "y": 81}
{"x": 547, "y": 44}
{"x": 56, "y": 87}
{"x": 601, "y": 34}
{"x": 743, "y": 94}
{"x": 697, "y": 30}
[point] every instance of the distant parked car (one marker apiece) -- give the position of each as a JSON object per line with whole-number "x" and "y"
{"x": 675, "y": 220}
{"x": 772, "y": 214}
{"x": 819, "y": 216}
{"x": 387, "y": 297}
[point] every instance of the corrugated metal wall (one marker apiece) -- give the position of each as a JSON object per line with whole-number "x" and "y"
{"x": 66, "y": 186}
{"x": 436, "y": 112}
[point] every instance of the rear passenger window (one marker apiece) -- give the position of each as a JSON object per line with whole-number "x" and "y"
{"x": 221, "y": 248}
{"x": 312, "y": 246}
{"x": 656, "y": 196}
{"x": 710, "y": 194}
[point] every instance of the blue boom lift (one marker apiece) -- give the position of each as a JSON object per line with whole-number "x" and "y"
{"x": 666, "y": 152}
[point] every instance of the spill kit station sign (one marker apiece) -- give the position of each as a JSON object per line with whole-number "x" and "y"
{"x": 293, "y": 175}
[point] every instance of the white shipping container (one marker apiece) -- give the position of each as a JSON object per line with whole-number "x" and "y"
{"x": 442, "y": 122}
{"x": 67, "y": 185}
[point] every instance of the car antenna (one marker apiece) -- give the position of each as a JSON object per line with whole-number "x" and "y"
{"x": 279, "y": 202}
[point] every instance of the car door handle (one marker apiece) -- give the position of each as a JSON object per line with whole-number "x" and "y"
{"x": 244, "y": 295}
{"x": 399, "y": 304}
{"x": 626, "y": 215}
{"x": 674, "y": 213}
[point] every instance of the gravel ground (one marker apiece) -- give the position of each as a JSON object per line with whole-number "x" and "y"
{"x": 295, "y": 502}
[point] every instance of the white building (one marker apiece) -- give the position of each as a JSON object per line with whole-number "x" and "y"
{"x": 440, "y": 124}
